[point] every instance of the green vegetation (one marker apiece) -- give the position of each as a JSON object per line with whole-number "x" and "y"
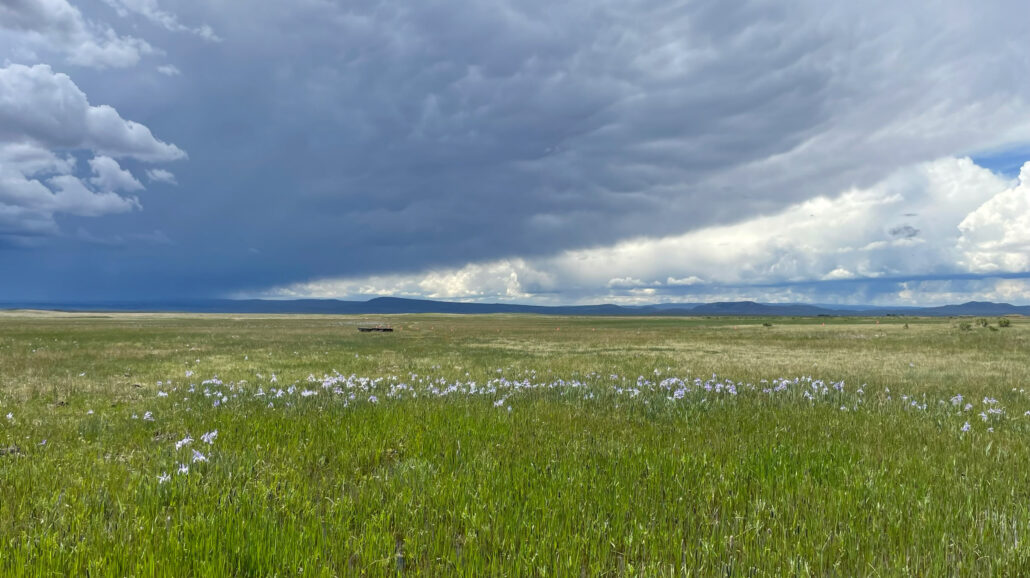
{"x": 586, "y": 447}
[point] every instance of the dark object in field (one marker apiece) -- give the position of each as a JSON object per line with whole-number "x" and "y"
{"x": 383, "y": 328}
{"x": 11, "y": 451}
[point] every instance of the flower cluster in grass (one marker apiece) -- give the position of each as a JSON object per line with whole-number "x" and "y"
{"x": 504, "y": 392}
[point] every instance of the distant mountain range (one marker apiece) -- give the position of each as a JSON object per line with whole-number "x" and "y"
{"x": 392, "y": 305}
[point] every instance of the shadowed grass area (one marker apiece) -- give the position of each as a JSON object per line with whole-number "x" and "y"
{"x": 512, "y": 445}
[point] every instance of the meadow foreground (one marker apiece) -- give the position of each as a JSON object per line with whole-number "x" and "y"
{"x": 138, "y": 445}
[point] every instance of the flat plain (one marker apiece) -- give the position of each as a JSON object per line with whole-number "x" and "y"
{"x": 146, "y": 444}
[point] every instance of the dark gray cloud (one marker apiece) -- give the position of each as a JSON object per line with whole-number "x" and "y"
{"x": 347, "y": 139}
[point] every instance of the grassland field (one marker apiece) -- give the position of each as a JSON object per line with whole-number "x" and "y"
{"x": 512, "y": 446}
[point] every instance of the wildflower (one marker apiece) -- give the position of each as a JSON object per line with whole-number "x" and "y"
{"x": 10, "y": 416}
{"x": 42, "y": 443}
{"x": 966, "y": 427}
{"x": 184, "y": 469}
{"x": 134, "y": 416}
{"x": 148, "y": 416}
{"x": 209, "y": 437}
{"x": 189, "y": 373}
{"x": 198, "y": 457}
{"x": 90, "y": 412}
{"x": 161, "y": 394}
{"x": 373, "y": 399}
{"x": 183, "y": 442}
{"x": 164, "y": 477}
{"x": 990, "y": 430}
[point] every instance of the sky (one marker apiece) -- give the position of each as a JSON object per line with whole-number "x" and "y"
{"x": 621, "y": 151}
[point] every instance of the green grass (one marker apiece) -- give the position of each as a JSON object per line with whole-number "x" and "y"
{"x": 581, "y": 479}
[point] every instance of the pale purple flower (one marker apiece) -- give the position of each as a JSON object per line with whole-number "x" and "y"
{"x": 209, "y": 437}
{"x": 198, "y": 457}
{"x": 164, "y": 477}
{"x": 184, "y": 469}
{"x": 183, "y": 442}
{"x": 148, "y": 416}
{"x": 966, "y": 427}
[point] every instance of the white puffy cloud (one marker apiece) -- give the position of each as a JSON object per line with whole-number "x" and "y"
{"x": 945, "y": 217}
{"x": 684, "y": 282}
{"x": 169, "y": 70}
{"x": 39, "y": 189}
{"x": 56, "y": 25}
{"x": 44, "y": 121}
{"x": 41, "y": 106}
{"x": 498, "y": 280}
{"x": 996, "y": 236}
{"x": 110, "y": 176}
{"x": 161, "y": 176}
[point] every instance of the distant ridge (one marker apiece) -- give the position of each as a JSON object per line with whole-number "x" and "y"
{"x": 395, "y": 305}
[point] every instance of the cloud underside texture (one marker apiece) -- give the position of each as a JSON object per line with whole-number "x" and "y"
{"x": 949, "y": 225}
{"x": 594, "y": 148}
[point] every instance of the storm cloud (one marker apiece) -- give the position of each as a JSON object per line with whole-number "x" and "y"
{"x": 399, "y": 140}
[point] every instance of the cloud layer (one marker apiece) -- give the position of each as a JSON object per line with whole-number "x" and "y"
{"x": 603, "y": 149}
{"x": 949, "y": 218}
